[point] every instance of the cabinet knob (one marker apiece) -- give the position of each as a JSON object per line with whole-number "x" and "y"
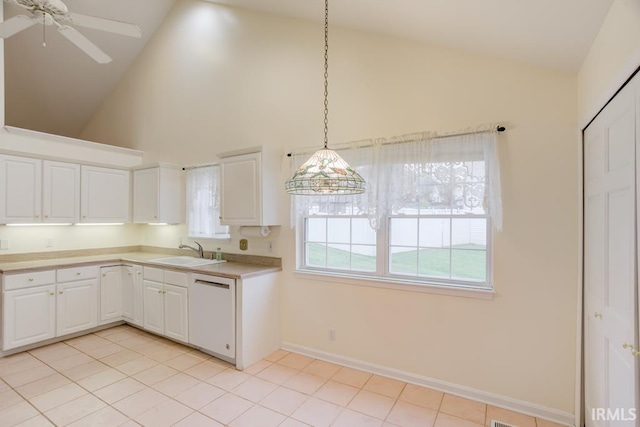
{"x": 84, "y": 216}
{"x": 138, "y": 272}
{"x": 31, "y": 279}
{"x": 103, "y": 274}
{"x": 597, "y": 315}
{"x": 46, "y": 216}
{"x": 228, "y": 346}
{"x": 78, "y": 273}
{"x": 37, "y": 216}
{"x": 155, "y": 217}
{"x": 159, "y": 292}
{"x": 61, "y": 292}
{"x": 129, "y": 274}
{"x": 52, "y": 293}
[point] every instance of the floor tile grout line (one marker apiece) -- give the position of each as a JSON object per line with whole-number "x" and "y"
{"x": 296, "y": 368}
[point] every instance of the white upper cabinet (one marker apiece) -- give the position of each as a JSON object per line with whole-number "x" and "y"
{"x": 105, "y": 195}
{"x": 158, "y": 195}
{"x": 250, "y": 187}
{"x": 60, "y": 192}
{"x": 20, "y": 189}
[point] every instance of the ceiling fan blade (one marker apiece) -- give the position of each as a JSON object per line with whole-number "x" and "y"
{"x": 108, "y": 25}
{"x": 85, "y": 44}
{"x": 16, "y": 24}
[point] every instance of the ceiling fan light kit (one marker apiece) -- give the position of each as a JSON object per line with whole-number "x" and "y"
{"x": 55, "y": 12}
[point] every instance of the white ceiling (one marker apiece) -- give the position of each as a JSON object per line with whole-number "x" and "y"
{"x": 58, "y": 88}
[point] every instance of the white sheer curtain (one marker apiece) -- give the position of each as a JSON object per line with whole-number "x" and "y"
{"x": 416, "y": 174}
{"x": 203, "y": 203}
{"x": 441, "y": 175}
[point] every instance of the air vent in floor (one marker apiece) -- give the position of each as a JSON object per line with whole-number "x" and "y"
{"x": 495, "y": 423}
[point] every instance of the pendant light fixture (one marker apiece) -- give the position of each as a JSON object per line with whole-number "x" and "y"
{"x": 325, "y": 172}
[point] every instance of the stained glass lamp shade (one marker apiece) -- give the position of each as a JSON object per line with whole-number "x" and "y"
{"x": 325, "y": 173}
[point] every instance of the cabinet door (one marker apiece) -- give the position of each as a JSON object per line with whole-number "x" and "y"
{"x": 60, "y": 192}
{"x": 153, "y": 306}
{"x": 104, "y": 195}
{"x": 241, "y": 194}
{"x": 146, "y": 185}
{"x": 29, "y": 315}
{"x": 132, "y": 295}
{"x": 127, "y": 293}
{"x": 110, "y": 294}
{"x": 77, "y": 306}
{"x": 20, "y": 189}
{"x": 176, "y": 316}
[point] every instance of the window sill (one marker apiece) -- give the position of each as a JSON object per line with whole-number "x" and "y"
{"x": 402, "y": 285}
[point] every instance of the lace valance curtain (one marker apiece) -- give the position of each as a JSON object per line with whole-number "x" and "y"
{"x": 421, "y": 174}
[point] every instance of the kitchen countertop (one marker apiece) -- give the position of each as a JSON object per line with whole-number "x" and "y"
{"x": 232, "y": 270}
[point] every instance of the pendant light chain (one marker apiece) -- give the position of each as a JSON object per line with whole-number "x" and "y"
{"x": 325, "y": 172}
{"x": 326, "y": 73}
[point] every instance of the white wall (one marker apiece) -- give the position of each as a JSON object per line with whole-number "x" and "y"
{"x": 614, "y": 55}
{"x": 215, "y": 77}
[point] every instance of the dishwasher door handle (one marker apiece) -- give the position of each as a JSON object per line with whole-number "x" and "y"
{"x": 214, "y": 284}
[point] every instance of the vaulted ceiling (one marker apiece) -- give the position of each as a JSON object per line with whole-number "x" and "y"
{"x": 57, "y": 88}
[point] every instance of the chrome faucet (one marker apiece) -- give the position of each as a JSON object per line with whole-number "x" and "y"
{"x": 199, "y": 250}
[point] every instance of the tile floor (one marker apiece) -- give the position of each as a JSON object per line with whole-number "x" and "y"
{"x": 125, "y": 377}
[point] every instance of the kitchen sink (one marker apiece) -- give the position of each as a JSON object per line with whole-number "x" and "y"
{"x": 185, "y": 261}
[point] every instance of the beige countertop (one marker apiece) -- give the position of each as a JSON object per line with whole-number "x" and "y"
{"x": 232, "y": 270}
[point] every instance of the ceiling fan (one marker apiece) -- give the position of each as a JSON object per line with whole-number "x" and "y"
{"x": 55, "y": 12}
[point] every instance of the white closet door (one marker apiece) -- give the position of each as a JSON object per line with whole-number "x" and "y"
{"x": 611, "y": 368}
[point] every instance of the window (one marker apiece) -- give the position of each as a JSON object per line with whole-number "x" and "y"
{"x": 426, "y": 217}
{"x": 203, "y": 203}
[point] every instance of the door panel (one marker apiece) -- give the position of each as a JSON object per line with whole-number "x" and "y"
{"x": 153, "y": 306}
{"x": 611, "y": 374}
{"x": 30, "y": 316}
{"x": 77, "y": 306}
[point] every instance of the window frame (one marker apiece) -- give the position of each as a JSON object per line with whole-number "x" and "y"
{"x": 382, "y": 278}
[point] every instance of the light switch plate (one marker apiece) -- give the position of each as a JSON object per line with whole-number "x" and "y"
{"x": 244, "y": 244}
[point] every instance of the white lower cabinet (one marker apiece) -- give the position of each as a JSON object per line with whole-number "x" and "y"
{"x": 29, "y": 316}
{"x": 153, "y": 307}
{"x": 176, "y": 317}
{"x": 77, "y": 299}
{"x": 166, "y": 303}
{"x": 77, "y": 306}
{"x": 132, "y": 295}
{"x": 41, "y": 305}
{"x": 110, "y": 294}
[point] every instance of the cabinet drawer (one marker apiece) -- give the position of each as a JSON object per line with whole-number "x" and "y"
{"x": 154, "y": 274}
{"x": 176, "y": 278}
{"x": 27, "y": 280}
{"x": 77, "y": 273}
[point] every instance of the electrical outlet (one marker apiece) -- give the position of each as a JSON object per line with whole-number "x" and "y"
{"x": 270, "y": 246}
{"x": 332, "y": 334}
{"x": 244, "y": 244}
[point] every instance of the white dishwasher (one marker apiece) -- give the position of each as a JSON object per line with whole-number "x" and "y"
{"x": 212, "y": 315}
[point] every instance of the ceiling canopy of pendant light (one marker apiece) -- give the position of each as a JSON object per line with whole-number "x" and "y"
{"x": 325, "y": 172}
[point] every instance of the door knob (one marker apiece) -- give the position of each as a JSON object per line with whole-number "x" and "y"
{"x": 634, "y": 352}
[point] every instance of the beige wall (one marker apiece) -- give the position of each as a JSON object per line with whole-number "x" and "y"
{"x": 215, "y": 77}
{"x": 614, "y": 55}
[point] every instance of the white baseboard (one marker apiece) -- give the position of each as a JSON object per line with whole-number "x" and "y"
{"x": 522, "y": 407}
